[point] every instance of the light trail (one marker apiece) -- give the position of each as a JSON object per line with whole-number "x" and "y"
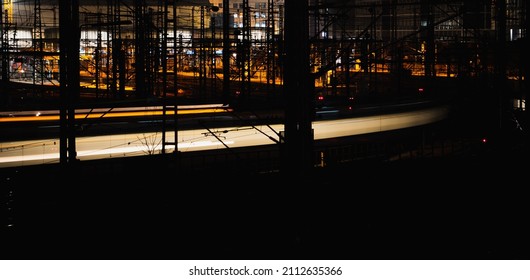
{"x": 53, "y": 115}
{"x": 22, "y": 153}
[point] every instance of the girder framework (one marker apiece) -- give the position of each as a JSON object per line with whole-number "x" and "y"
{"x": 128, "y": 48}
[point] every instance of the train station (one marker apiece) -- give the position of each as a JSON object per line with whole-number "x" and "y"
{"x": 400, "y": 124}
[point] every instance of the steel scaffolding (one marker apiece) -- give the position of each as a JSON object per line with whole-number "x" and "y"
{"x": 233, "y": 51}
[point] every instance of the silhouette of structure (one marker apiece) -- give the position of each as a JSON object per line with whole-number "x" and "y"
{"x": 296, "y": 55}
{"x": 137, "y": 48}
{"x": 236, "y": 51}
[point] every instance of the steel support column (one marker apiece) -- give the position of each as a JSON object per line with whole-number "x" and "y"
{"x": 297, "y": 150}
{"x": 226, "y": 51}
{"x": 427, "y": 36}
{"x": 4, "y": 28}
{"x": 500, "y": 59}
{"x": 526, "y": 58}
{"x": 69, "y": 75}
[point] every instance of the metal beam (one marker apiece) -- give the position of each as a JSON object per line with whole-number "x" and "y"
{"x": 69, "y": 75}
{"x": 297, "y": 144}
{"x": 226, "y": 51}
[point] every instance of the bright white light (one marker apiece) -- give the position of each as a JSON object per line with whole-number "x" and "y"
{"x": 202, "y": 144}
{"x": 31, "y": 152}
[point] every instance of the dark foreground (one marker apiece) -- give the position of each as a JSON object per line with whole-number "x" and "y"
{"x": 470, "y": 203}
{"x": 465, "y": 207}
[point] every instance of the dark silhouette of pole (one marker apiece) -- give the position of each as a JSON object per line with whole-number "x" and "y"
{"x": 245, "y": 53}
{"x": 69, "y": 78}
{"x": 64, "y": 22}
{"x": 427, "y": 35}
{"x": 526, "y": 59}
{"x": 500, "y": 58}
{"x": 226, "y": 51}
{"x": 140, "y": 48}
{"x": 5, "y": 45}
{"x": 297, "y": 150}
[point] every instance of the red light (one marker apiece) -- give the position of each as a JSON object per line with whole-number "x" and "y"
{"x": 420, "y": 90}
{"x": 484, "y": 140}
{"x": 321, "y": 98}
